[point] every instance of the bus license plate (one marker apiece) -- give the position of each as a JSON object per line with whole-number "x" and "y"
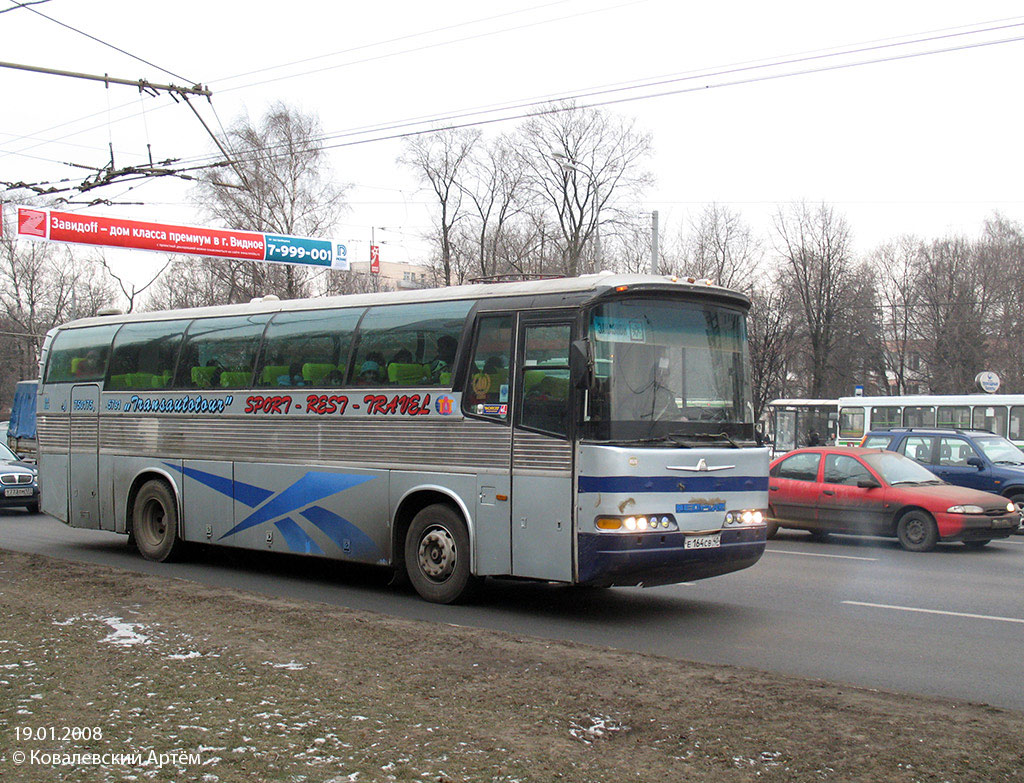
{"x": 703, "y": 542}
{"x": 18, "y": 492}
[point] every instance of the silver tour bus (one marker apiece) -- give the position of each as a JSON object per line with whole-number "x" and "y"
{"x": 591, "y": 431}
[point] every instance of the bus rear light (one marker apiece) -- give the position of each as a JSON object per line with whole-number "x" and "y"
{"x": 660, "y": 523}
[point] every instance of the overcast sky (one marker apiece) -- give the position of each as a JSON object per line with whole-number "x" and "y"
{"x": 926, "y": 145}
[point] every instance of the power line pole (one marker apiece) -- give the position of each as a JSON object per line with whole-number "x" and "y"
{"x": 142, "y": 84}
{"x": 654, "y": 242}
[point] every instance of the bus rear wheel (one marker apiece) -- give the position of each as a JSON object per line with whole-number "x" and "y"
{"x": 437, "y": 555}
{"x": 155, "y": 522}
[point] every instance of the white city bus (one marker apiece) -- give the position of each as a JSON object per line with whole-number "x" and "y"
{"x": 592, "y": 431}
{"x": 1002, "y": 414}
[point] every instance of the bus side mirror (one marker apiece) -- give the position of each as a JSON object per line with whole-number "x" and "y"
{"x": 580, "y": 365}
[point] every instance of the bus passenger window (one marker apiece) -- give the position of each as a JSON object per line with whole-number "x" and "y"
{"x": 79, "y": 355}
{"x": 144, "y": 355}
{"x": 418, "y": 342}
{"x": 307, "y": 348}
{"x": 219, "y": 353}
{"x": 487, "y": 382}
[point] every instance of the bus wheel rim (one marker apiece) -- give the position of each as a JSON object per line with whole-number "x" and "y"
{"x": 437, "y": 554}
{"x": 154, "y": 521}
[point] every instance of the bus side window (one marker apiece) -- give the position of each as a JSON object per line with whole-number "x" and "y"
{"x": 307, "y": 348}
{"x": 545, "y": 379}
{"x": 487, "y": 382}
{"x": 414, "y": 344}
{"x": 144, "y": 355}
{"x": 220, "y": 352}
{"x": 79, "y": 355}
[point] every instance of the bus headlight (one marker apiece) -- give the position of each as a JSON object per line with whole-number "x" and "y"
{"x": 636, "y": 523}
{"x": 747, "y": 516}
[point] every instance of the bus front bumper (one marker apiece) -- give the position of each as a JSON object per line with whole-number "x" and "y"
{"x": 652, "y": 559}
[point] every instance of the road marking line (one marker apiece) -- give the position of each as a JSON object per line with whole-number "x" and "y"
{"x": 819, "y": 554}
{"x": 938, "y": 611}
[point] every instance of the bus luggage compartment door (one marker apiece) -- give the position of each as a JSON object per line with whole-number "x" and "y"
{"x": 83, "y": 457}
{"x": 542, "y": 498}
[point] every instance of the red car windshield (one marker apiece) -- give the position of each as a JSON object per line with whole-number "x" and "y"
{"x": 896, "y": 469}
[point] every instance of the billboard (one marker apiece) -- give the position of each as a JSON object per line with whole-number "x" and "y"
{"x": 69, "y": 227}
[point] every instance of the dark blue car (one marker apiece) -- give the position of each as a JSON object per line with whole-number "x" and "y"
{"x": 967, "y": 458}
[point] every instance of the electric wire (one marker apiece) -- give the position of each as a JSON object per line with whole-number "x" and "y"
{"x": 655, "y": 81}
{"x": 647, "y": 84}
{"x": 558, "y": 106}
{"x": 100, "y": 41}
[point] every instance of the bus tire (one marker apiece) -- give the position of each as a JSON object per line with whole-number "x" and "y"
{"x": 155, "y": 522}
{"x": 437, "y": 555}
{"x": 917, "y": 531}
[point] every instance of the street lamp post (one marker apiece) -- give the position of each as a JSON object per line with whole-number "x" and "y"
{"x": 569, "y": 165}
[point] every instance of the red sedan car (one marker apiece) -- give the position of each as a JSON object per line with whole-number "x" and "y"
{"x": 880, "y": 493}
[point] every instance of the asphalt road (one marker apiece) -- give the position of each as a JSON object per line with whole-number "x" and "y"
{"x": 849, "y": 610}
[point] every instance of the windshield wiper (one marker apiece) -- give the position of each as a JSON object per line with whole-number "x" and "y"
{"x": 905, "y": 481}
{"x": 1007, "y": 462}
{"x": 637, "y": 441}
{"x": 684, "y": 440}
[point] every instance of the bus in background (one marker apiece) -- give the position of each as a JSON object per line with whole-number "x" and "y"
{"x": 794, "y": 423}
{"x": 591, "y": 431}
{"x": 1001, "y": 414}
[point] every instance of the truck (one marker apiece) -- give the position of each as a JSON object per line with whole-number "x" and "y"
{"x": 21, "y": 431}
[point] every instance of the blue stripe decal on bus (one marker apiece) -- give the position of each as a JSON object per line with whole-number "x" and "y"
{"x": 307, "y": 490}
{"x": 239, "y": 490}
{"x": 682, "y": 483}
{"x": 296, "y": 538}
{"x": 350, "y": 539}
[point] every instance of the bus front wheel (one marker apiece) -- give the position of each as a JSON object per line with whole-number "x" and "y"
{"x": 437, "y": 555}
{"x": 155, "y": 522}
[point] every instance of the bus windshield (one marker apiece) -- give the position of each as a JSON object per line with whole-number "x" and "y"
{"x": 668, "y": 369}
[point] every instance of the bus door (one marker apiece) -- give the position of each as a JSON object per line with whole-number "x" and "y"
{"x": 785, "y": 431}
{"x": 83, "y": 456}
{"x": 542, "y": 484}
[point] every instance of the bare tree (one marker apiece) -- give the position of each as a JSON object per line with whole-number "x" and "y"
{"x": 895, "y": 265}
{"x": 1000, "y": 253}
{"x": 495, "y": 188}
{"x": 439, "y": 159}
{"x": 131, "y": 291}
{"x": 952, "y": 314}
{"x": 280, "y": 183}
{"x": 770, "y": 332}
{"x": 817, "y": 268}
{"x": 580, "y": 162}
{"x": 721, "y": 247}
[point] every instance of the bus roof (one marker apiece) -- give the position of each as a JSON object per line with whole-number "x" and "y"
{"x": 594, "y": 284}
{"x": 936, "y": 399}
{"x": 799, "y": 401}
